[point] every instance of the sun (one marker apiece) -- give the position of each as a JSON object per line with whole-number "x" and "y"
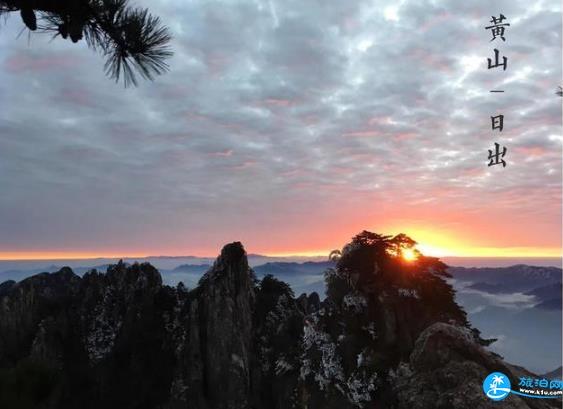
{"x": 409, "y": 254}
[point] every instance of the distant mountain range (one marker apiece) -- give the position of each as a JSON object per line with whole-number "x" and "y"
{"x": 192, "y": 268}
{"x": 544, "y": 283}
{"x": 555, "y": 374}
{"x": 281, "y": 268}
{"x": 515, "y": 277}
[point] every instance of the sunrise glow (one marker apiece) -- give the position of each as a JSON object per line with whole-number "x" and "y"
{"x": 61, "y": 255}
{"x": 430, "y": 247}
{"x": 409, "y": 254}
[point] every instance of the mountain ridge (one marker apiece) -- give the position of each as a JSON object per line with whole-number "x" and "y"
{"x": 124, "y": 339}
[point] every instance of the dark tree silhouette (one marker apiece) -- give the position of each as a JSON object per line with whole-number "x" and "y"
{"x": 381, "y": 295}
{"x": 559, "y": 91}
{"x": 372, "y": 263}
{"x": 133, "y": 41}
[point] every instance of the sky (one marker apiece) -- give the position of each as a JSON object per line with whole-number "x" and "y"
{"x": 290, "y": 126}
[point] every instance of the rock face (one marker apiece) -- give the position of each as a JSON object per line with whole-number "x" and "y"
{"x": 226, "y": 306}
{"x": 446, "y": 369}
{"x": 25, "y": 307}
{"x": 216, "y": 359}
{"x": 94, "y": 339}
{"x": 121, "y": 339}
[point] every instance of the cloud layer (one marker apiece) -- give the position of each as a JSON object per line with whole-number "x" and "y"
{"x": 288, "y": 125}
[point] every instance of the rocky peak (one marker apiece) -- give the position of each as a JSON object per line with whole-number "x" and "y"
{"x": 6, "y": 286}
{"x": 48, "y": 286}
{"x": 224, "y": 313}
{"x": 232, "y": 270}
{"x": 26, "y": 304}
{"x": 135, "y": 277}
{"x": 309, "y": 304}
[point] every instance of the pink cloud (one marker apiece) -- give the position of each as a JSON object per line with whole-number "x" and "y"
{"x": 26, "y": 61}
{"x": 216, "y": 63}
{"x": 195, "y": 116}
{"x": 532, "y": 151}
{"x": 224, "y": 153}
{"x": 278, "y": 102}
{"x": 77, "y": 96}
{"x": 380, "y": 120}
{"x": 244, "y": 165}
{"x": 439, "y": 19}
{"x": 403, "y": 136}
{"x": 437, "y": 62}
{"x": 362, "y": 134}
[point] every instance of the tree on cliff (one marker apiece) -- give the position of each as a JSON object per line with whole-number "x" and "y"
{"x": 133, "y": 41}
{"x": 381, "y": 296}
{"x": 373, "y": 264}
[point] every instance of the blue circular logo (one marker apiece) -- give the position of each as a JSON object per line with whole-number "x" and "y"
{"x": 496, "y": 386}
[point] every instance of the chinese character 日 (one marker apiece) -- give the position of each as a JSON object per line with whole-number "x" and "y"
{"x": 498, "y": 27}
{"x": 497, "y": 122}
{"x": 496, "y": 158}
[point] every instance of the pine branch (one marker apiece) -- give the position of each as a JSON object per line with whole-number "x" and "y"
{"x": 133, "y": 41}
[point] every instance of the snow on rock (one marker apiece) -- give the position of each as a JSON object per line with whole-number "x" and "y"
{"x": 282, "y": 366}
{"x": 360, "y": 389}
{"x": 370, "y": 328}
{"x": 327, "y": 369}
{"x": 274, "y": 325}
{"x": 409, "y": 293}
{"x": 103, "y": 328}
{"x": 322, "y": 361}
{"x": 355, "y": 302}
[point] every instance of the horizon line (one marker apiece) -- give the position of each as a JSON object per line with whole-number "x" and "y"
{"x": 272, "y": 255}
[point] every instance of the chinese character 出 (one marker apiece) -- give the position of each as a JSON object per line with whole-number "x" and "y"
{"x": 496, "y": 158}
